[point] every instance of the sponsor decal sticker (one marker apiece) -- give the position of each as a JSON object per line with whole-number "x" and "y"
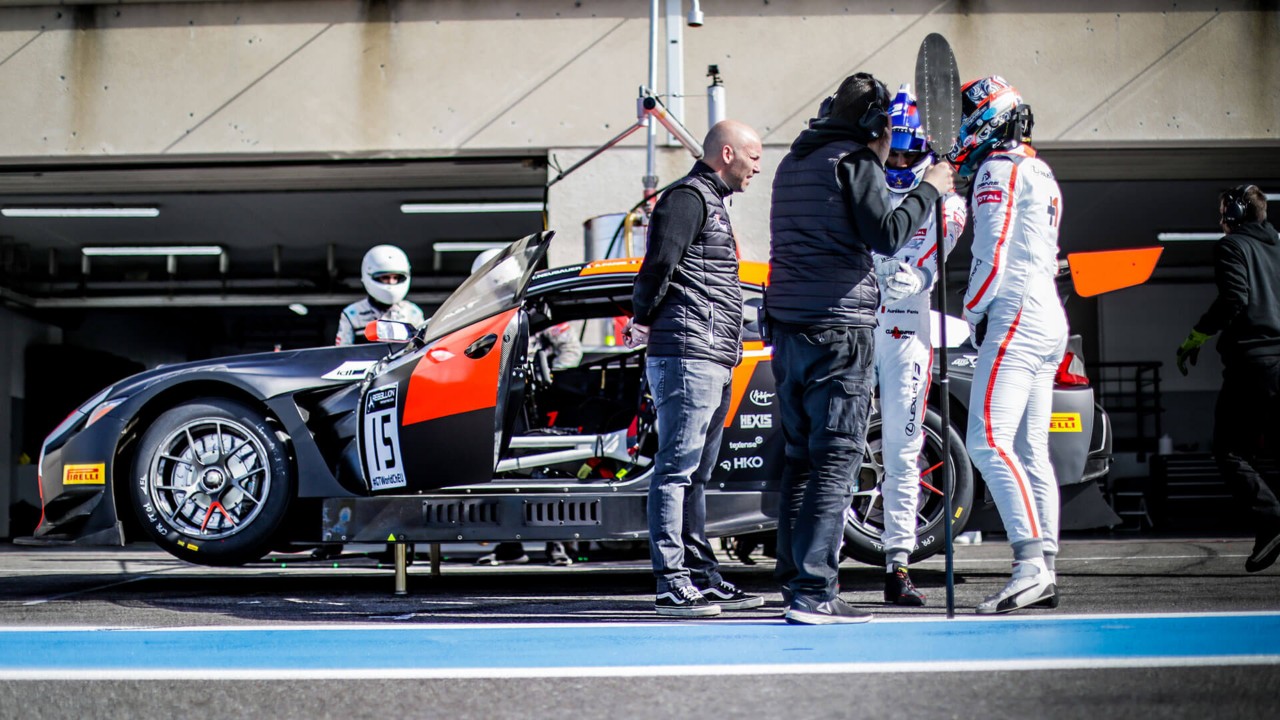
{"x": 382, "y": 438}
{"x": 990, "y": 196}
{"x": 746, "y": 444}
{"x": 761, "y": 398}
{"x": 1065, "y": 422}
{"x": 84, "y": 474}
{"x": 753, "y": 462}
{"x": 898, "y": 333}
{"x": 350, "y": 370}
{"x": 752, "y": 422}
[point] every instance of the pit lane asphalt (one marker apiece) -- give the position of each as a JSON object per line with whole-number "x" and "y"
{"x": 140, "y": 587}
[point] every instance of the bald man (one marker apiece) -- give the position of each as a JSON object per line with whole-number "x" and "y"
{"x": 688, "y": 309}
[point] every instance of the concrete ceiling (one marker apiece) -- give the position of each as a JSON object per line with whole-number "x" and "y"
{"x": 302, "y": 213}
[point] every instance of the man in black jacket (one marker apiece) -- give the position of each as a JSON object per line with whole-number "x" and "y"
{"x": 831, "y": 208}
{"x": 1246, "y": 266}
{"x": 687, "y": 306}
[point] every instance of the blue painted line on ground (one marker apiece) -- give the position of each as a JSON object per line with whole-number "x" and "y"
{"x": 1010, "y": 639}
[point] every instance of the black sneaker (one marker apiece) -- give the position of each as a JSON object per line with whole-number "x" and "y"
{"x": 684, "y": 601}
{"x": 1265, "y": 549}
{"x": 729, "y": 597}
{"x": 899, "y": 590}
{"x": 557, "y": 556}
{"x": 808, "y": 611}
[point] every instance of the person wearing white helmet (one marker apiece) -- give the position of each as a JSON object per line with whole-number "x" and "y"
{"x": 385, "y": 273}
{"x": 1019, "y": 327}
{"x": 903, "y": 347}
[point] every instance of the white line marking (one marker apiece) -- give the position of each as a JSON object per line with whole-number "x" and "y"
{"x": 188, "y": 673}
{"x": 610, "y": 625}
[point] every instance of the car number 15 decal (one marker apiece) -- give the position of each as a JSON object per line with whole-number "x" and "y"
{"x": 382, "y": 439}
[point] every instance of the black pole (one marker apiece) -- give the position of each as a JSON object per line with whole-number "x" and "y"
{"x": 948, "y": 476}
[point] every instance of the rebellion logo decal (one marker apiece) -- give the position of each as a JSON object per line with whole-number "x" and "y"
{"x": 1065, "y": 422}
{"x": 84, "y": 474}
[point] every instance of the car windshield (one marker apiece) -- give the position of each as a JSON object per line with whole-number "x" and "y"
{"x": 498, "y": 285}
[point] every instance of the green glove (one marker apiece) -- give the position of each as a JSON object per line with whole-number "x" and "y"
{"x": 1190, "y": 350}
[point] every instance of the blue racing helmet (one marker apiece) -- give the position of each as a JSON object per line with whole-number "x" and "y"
{"x": 908, "y": 137}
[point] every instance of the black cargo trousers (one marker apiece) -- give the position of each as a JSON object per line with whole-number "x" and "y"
{"x": 1246, "y": 423}
{"x": 825, "y": 377}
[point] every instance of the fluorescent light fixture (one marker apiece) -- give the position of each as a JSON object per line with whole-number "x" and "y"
{"x": 1188, "y": 236}
{"x": 445, "y": 208}
{"x": 1273, "y": 197}
{"x": 153, "y": 251}
{"x": 80, "y": 212}
{"x": 299, "y": 308}
{"x": 468, "y": 246}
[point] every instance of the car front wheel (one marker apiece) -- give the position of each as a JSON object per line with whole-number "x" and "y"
{"x": 864, "y": 519}
{"x": 212, "y": 482}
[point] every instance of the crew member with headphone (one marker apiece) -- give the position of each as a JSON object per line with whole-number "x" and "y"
{"x": 1246, "y": 268}
{"x": 831, "y": 208}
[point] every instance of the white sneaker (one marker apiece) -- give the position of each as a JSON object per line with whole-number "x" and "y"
{"x": 1031, "y": 583}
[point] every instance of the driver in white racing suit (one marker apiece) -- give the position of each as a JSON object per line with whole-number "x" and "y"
{"x": 1018, "y": 324}
{"x": 385, "y": 273}
{"x": 903, "y": 347}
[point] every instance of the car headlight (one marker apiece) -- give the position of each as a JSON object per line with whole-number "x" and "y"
{"x": 97, "y": 413}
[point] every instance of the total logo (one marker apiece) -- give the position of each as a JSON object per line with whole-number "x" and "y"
{"x": 746, "y": 444}
{"x": 753, "y": 422}
{"x": 754, "y": 462}
{"x": 761, "y": 398}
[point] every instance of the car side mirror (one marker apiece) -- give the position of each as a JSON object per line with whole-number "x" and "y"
{"x": 392, "y": 331}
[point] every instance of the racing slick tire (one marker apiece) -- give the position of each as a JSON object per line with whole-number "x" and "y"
{"x": 864, "y": 520}
{"x": 212, "y": 482}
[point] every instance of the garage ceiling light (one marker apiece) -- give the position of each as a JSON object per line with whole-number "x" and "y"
{"x": 153, "y": 251}
{"x": 80, "y": 212}
{"x": 1188, "y": 236}
{"x": 445, "y": 208}
{"x": 1273, "y": 197}
{"x": 468, "y": 245}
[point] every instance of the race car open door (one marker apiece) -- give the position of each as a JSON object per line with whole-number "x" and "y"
{"x": 436, "y": 416}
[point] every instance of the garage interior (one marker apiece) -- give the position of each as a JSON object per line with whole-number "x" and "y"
{"x": 291, "y": 235}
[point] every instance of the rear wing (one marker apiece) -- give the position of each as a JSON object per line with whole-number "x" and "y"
{"x": 1103, "y": 271}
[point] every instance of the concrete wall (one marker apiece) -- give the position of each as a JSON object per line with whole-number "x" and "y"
{"x": 337, "y": 78}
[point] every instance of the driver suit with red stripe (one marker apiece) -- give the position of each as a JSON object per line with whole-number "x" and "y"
{"x": 904, "y": 365}
{"x": 1016, "y": 210}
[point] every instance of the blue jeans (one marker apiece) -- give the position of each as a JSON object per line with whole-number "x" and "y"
{"x": 692, "y": 399}
{"x": 824, "y": 380}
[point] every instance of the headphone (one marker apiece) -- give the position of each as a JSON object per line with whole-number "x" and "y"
{"x": 1234, "y": 205}
{"x": 875, "y": 119}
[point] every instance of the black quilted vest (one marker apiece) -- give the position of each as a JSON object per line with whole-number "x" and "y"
{"x": 701, "y": 314}
{"x": 821, "y": 272}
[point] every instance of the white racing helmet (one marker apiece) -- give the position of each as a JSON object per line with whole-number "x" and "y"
{"x": 385, "y": 273}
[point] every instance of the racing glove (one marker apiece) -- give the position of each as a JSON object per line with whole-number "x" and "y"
{"x": 1190, "y": 350}
{"x": 904, "y": 282}
{"x": 977, "y": 327}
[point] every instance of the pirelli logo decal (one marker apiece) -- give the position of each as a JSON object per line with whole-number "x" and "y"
{"x": 84, "y": 474}
{"x": 1065, "y": 422}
